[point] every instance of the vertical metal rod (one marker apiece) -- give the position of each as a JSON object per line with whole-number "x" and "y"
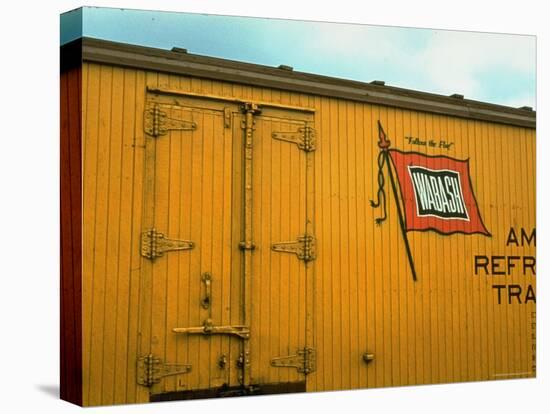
{"x": 309, "y": 268}
{"x": 400, "y": 214}
{"x": 145, "y": 345}
{"x": 249, "y": 110}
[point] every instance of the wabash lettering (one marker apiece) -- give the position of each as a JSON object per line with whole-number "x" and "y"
{"x": 438, "y": 193}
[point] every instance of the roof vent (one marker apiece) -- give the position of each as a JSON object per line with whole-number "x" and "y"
{"x": 179, "y": 50}
{"x": 457, "y": 96}
{"x": 378, "y": 82}
{"x": 526, "y": 108}
{"x": 285, "y": 67}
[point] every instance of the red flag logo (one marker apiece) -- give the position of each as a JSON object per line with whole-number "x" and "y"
{"x": 437, "y": 193}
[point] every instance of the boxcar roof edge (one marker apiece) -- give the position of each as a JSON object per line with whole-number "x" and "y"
{"x": 122, "y": 54}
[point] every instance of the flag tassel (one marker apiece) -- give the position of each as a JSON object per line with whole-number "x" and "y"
{"x": 381, "y": 194}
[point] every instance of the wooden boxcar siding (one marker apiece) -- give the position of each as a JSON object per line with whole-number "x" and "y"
{"x": 71, "y": 236}
{"x": 113, "y": 102}
{"x": 445, "y": 327}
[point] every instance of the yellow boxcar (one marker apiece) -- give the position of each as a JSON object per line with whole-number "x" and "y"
{"x": 231, "y": 229}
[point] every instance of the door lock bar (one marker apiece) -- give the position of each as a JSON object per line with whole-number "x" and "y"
{"x": 208, "y": 328}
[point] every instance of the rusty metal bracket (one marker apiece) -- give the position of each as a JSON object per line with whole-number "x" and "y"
{"x": 304, "y": 138}
{"x": 303, "y": 247}
{"x": 155, "y": 244}
{"x": 151, "y": 370}
{"x": 208, "y": 328}
{"x": 157, "y": 122}
{"x": 227, "y": 113}
{"x": 251, "y": 107}
{"x": 247, "y": 245}
{"x": 304, "y": 361}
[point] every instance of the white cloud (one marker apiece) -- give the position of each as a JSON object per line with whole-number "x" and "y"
{"x": 444, "y": 62}
{"x": 356, "y": 40}
{"x": 453, "y": 60}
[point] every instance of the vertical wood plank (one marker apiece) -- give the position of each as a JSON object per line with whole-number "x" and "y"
{"x": 124, "y": 310}
{"x": 371, "y": 186}
{"x": 90, "y": 140}
{"x": 319, "y": 265}
{"x": 479, "y": 310}
{"x": 376, "y": 311}
{"x": 173, "y": 229}
{"x": 71, "y": 385}
{"x": 100, "y": 240}
{"x": 353, "y": 333}
{"x": 400, "y": 291}
{"x": 325, "y": 244}
{"x": 138, "y": 267}
{"x": 113, "y": 235}
{"x": 486, "y": 321}
{"x": 336, "y": 247}
{"x": 343, "y": 228}
{"x": 360, "y": 213}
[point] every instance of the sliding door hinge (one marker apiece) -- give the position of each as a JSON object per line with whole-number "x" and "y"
{"x": 304, "y": 137}
{"x": 304, "y": 361}
{"x": 303, "y": 247}
{"x": 151, "y": 370}
{"x": 158, "y": 123}
{"x": 155, "y": 244}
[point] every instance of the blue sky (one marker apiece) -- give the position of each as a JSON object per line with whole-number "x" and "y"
{"x": 497, "y": 68}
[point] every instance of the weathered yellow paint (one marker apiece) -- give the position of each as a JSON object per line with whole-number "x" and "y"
{"x": 357, "y": 296}
{"x": 278, "y": 279}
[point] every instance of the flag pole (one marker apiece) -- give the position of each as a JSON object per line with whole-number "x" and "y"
{"x": 383, "y": 144}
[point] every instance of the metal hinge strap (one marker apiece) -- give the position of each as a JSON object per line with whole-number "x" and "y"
{"x": 208, "y": 328}
{"x": 304, "y": 361}
{"x": 155, "y": 244}
{"x": 303, "y": 137}
{"x": 151, "y": 370}
{"x": 303, "y": 247}
{"x": 158, "y": 123}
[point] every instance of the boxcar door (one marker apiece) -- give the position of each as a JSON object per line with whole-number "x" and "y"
{"x": 190, "y": 312}
{"x": 280, "y": 345}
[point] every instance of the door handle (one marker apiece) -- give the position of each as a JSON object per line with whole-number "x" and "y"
{"x": 207, "y": 280}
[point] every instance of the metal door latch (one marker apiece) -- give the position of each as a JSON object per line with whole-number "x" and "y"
{"x": 222, "y": 361}
{"x": 155, "y": 244}
{"x": 208, "y": 328}
{"x": 303, "y": 247}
